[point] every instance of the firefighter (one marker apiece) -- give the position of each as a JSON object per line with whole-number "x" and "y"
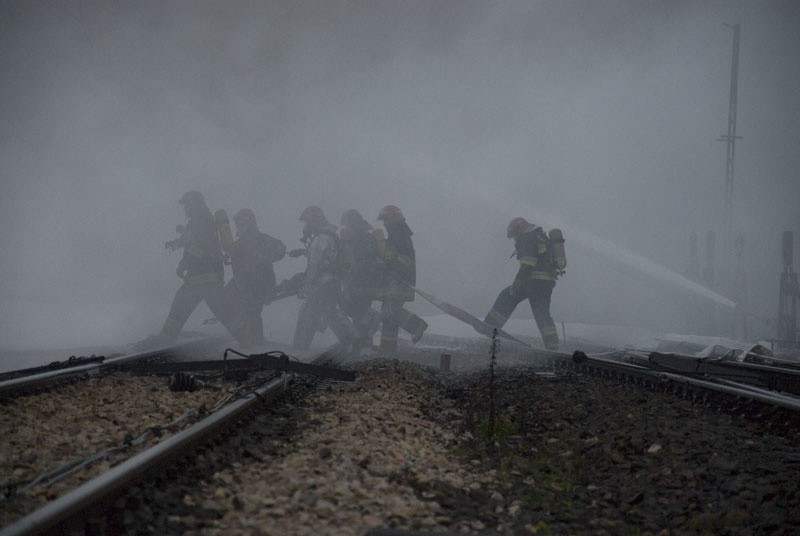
{"x": 201, "y": 269}
{"x": 399, "y": 265}
{"x": 359, "y": 258}
{"x": 534, "y": 281}
{"x": 321, "y": 287}
{"x": 253, "y": 282}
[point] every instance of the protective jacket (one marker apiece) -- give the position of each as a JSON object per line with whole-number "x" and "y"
{"x": 535, "y": 260}
{"x": 202, "y": 253}
{"x": 400, "y": 262}
{"x": 252, "y": 256}
{"x": 358, "y": 261}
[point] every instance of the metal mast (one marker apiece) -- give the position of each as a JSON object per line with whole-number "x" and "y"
{"x": 731, "y": 136}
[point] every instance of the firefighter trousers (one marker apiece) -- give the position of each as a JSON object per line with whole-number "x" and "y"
{"x": 365, "y": 319}
{"x": 243, "y": 310}
{"x": 197, "y": 288}
{"x": 394, "y": 317}
{"x": 319, "y": 310}
{"x": 538, "y": 294}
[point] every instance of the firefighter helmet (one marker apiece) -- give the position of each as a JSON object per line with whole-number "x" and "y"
{"x": 245, "y": 216}
{"x": 192, "y": 198}
{"x": 516, "y": 227}
{"x": 391, "y": 214}
{"x": 245, "y": 221}
{"x": 352, "y": 218}
{"x": 313, "y": 216}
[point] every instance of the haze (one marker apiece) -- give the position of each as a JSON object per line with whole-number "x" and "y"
{"x": 604, "y": 115}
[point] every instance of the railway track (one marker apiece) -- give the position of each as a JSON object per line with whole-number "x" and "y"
{"x": 761, "y": 389}
{"x": 101, "y": 454}
{"x": 39, "y": 379}
{"x": 70, "y": 511}
{"x": 758, "y": 380}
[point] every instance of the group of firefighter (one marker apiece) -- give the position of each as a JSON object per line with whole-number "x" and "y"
{"x": 346, "y": 272}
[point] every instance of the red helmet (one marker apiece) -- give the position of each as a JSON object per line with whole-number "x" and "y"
{"x": 391, "y": 214}
{"x": 517, "y": 226}
{"x": 313, "y": 216}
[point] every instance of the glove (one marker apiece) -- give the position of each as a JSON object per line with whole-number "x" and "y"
{"x": 180, "y": 271}
{"x": 299, "y": 252}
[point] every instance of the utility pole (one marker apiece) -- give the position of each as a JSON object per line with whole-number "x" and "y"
{"x": 728, "y": 279}
{"x": 731, "y": 138}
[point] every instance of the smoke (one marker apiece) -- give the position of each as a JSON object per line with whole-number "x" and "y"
{"x": 463, "y": 113}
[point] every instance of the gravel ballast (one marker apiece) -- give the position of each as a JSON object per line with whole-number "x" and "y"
{"x": 406, "y": 447}
{"x": 44, "y": 432}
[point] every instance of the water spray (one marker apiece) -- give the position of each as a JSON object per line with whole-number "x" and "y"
{"x": 633, "y": 262}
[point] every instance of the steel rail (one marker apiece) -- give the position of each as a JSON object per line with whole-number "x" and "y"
{"x": 791, "y": 399}
{"x": 43, "y": 379}
{"x": 123, "y": 475}
{"x": 710, "y": 383}
{"x": 767, "y": 376}
{"x": 739, "y": 390}
{"x": 641, "y": 367}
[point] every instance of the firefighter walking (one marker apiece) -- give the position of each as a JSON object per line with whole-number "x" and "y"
{"x": 399, "y": 261}
{"x": 321, "y": 287}
{"x": 201, "y": 269}
{"x": 253, "y": 281}
{"x": 359, "y": 258}
{"x": 535, "y": 278}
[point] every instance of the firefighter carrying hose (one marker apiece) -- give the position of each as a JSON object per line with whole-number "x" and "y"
{"x": 399, "y": 262}
{"x": 321, "y": 287}
{"x": 535, "y": 280}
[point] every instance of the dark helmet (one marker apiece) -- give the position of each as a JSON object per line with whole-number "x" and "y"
{"x": 192, "y": 198}
{"x": 516, "y": 227}
{"x": 391, "y": 214}
{"x": 314, "y": 217}
{"x": 353, "y": 218}
{"x": 245, "y": 217}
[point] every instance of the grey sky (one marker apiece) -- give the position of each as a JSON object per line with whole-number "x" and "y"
{"x": 465, "y": 114}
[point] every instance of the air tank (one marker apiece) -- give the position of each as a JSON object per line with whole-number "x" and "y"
{"x": 224, "y": 230}
{"x": 557, "y": 245}
{"x": 380, "y": 239}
